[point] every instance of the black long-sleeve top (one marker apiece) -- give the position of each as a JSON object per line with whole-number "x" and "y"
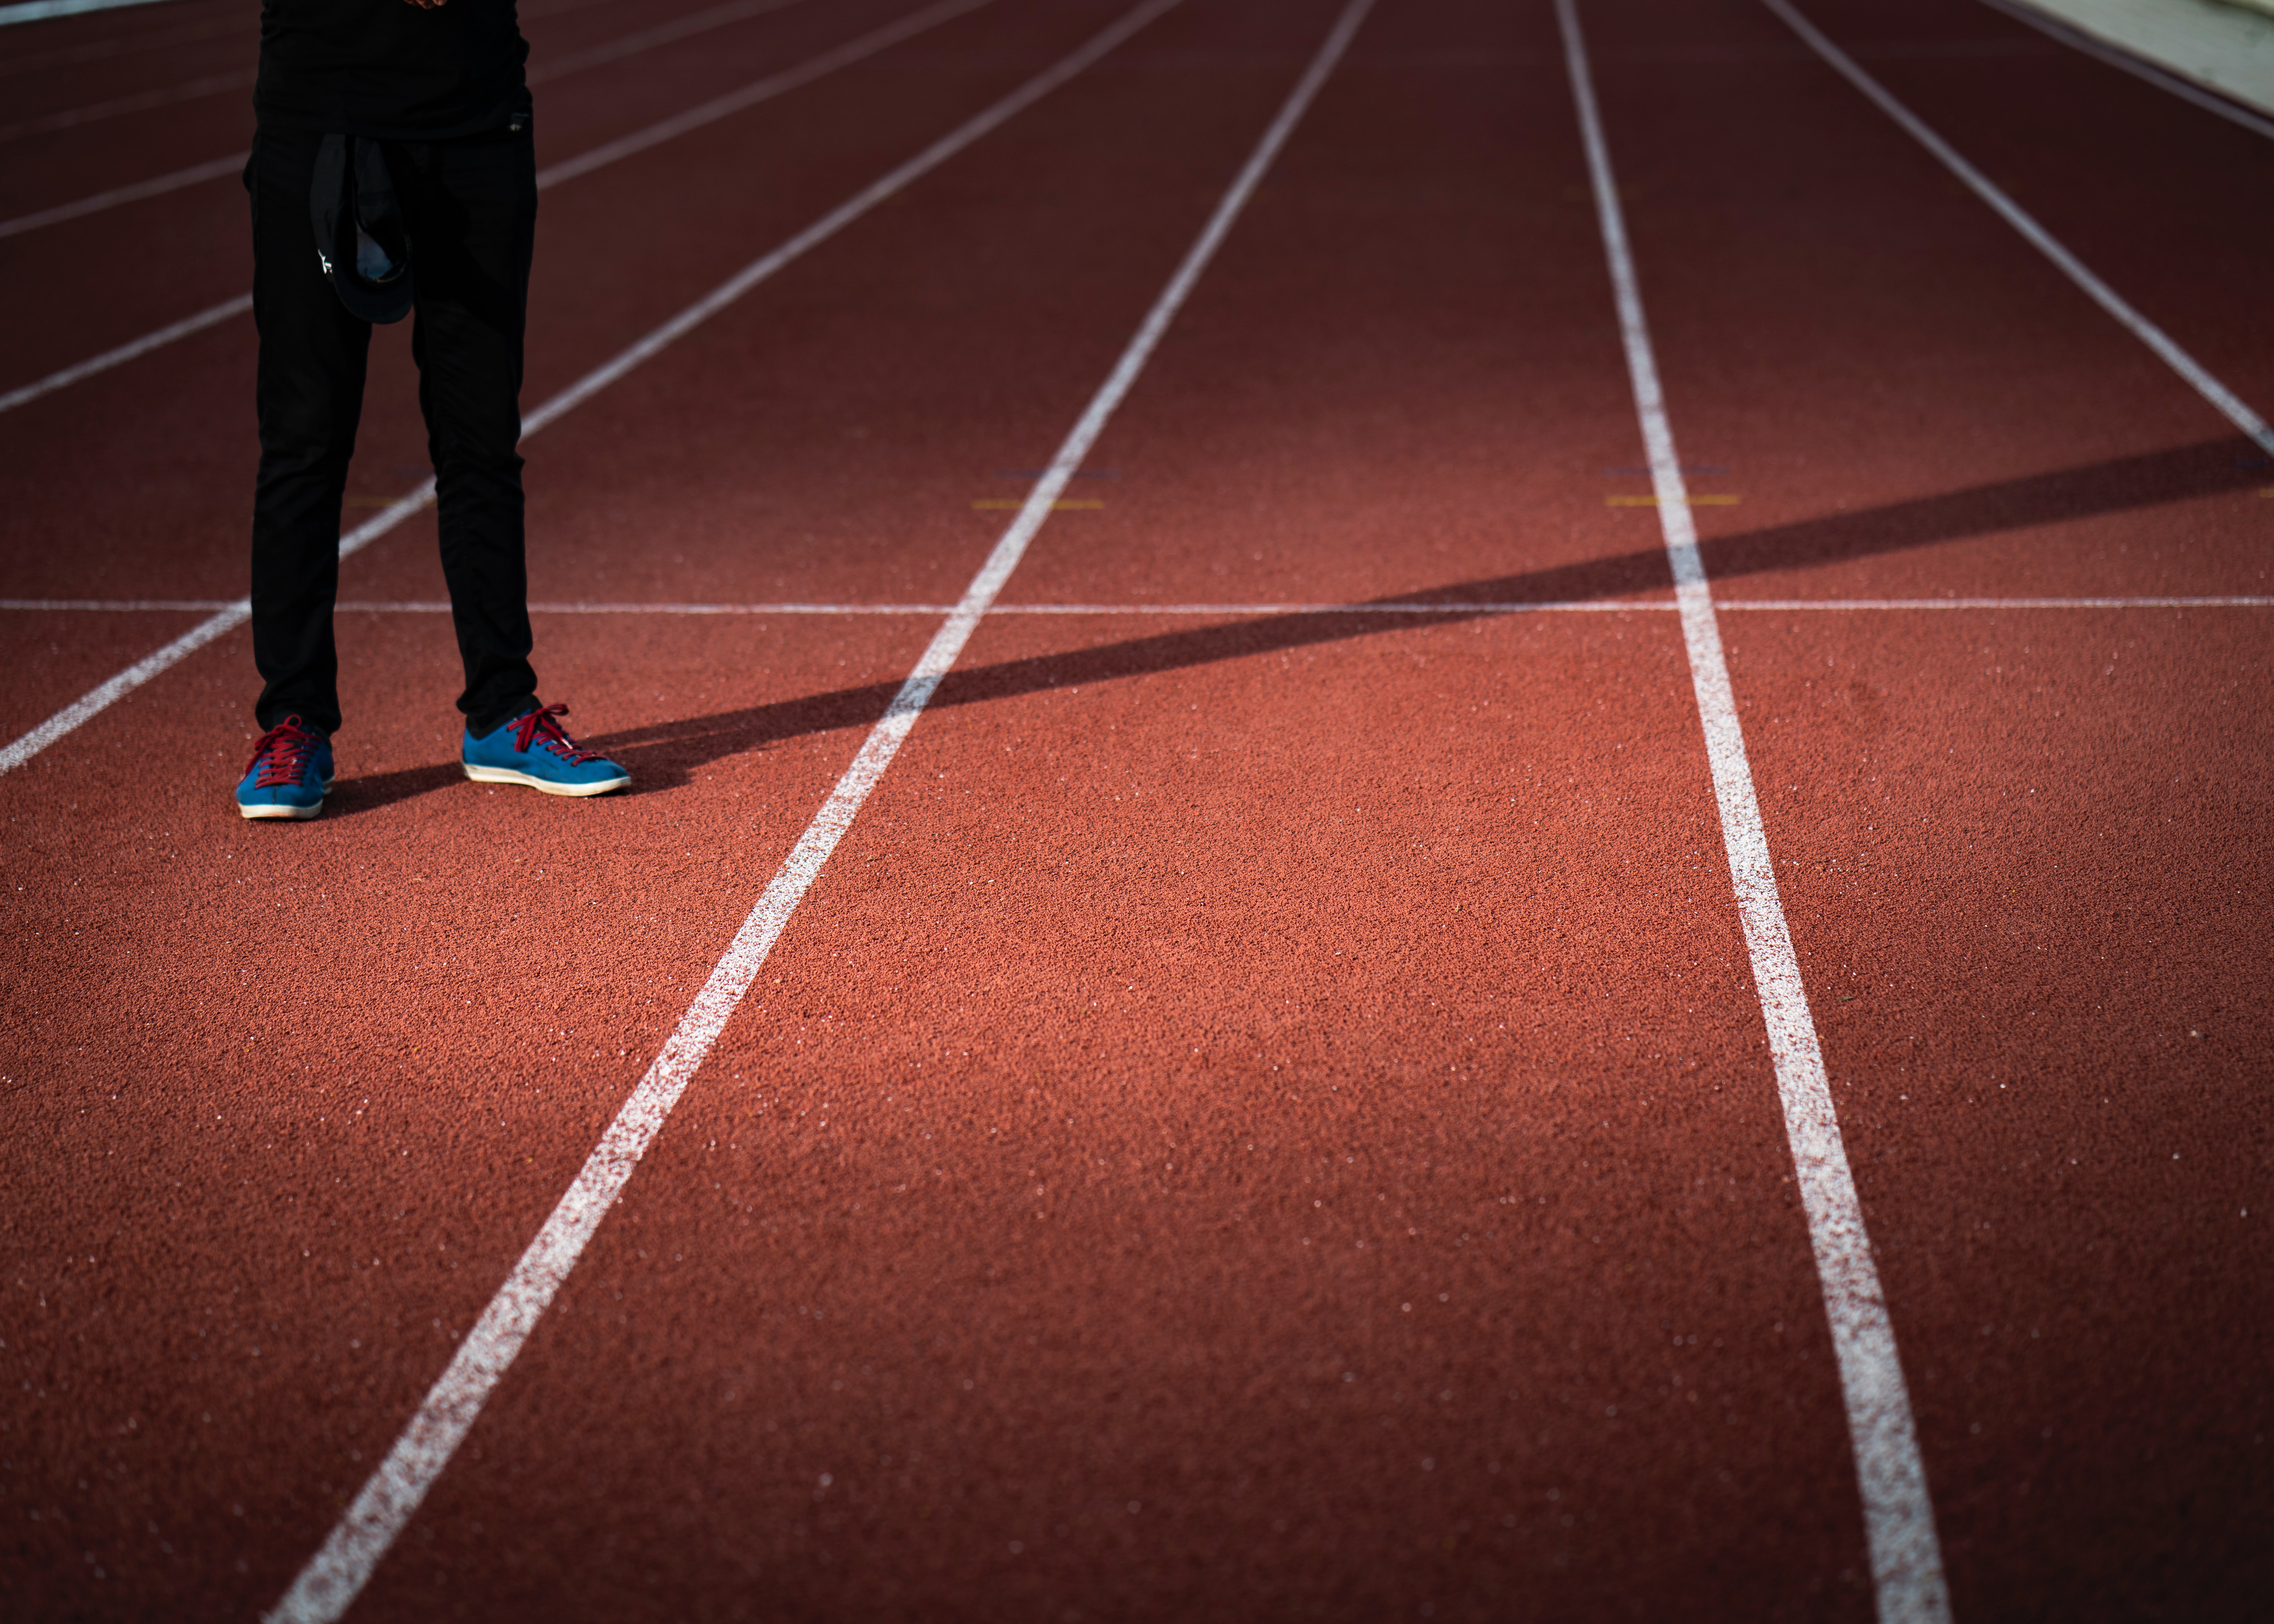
{"x": 390, "y": 70}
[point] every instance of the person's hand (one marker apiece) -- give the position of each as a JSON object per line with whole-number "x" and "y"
{"x": 430, "y": 6}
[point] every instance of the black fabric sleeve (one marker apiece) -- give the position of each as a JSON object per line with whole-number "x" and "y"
{"x": 390, "y": 70}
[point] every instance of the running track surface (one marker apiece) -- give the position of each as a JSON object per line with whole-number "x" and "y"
{"x": 1264, "y": 1114}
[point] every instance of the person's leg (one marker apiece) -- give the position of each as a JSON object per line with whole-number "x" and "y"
{"x": 309, "y": 397}
{"x": 471, "y": 208}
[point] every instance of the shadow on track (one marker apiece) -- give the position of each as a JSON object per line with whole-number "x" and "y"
{"x": 662, "y": 755}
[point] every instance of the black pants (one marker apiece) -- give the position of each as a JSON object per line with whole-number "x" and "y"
{"x": 470, "y": 206}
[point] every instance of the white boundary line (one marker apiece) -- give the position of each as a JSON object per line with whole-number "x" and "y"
{"x": 40, "y": 10}
{"x": 551, "y": 68}
{"x": 98, "y": 699}
{"x": 1898, "y": 1515}
{"x": 647, "y": 39}
{"x": 143, "y": 101}
{"x": 600, "y": 377}
{"x": 1993, "y": 603}
{"x": 2116, "y": 57}
{"x": 2198, "y": 377}
{"x": 125, "y": 352}
{"x": 116, "y": 606}
{"x": 199, "y": 605}
{"x": 679, "y": 124}
{"x": 330, "y": 1582}
{"x": 134, "y": 193}
{"x": 95, "y": 50}
{"x": 764, "y": 90}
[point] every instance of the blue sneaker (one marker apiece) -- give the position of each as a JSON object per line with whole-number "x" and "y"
{"x": 535, "y": 751}
{"x": 290, "y": 774}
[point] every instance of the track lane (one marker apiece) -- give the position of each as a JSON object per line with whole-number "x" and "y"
{"x": 396, "y": 456}
{"x": 216, "y": 67}
{"x": 752, "y": 93}
{"x": 43, "y": 56}
{"x": 1923, "y": 773}
{"x": 75, "y": 267}
{"x": 476, "y": 1144}
{"x": 2022, "y": 851}
{"x": 56, "y": 656}
{"x": 1898, "y": 703}
{"x": 81, "y": 91}
{"x": 1888, "y": 308}
{"x": 2216, "y": 395}
{"x": 110, "y": 145}
{"x": 46, "y": 170}
{"x": 2177, "y": 200}
{"x": 1488, "y": 174}
{"x": 1899, "y": 1517}
{"x": 1022, "y": 1064}
{"x": 370, "y": 1528}
{"x": 414, "y": 503}
{"x": 127, "y": 29}
{"x": 1041, "y": 1100}
{"x": 334, "y": 1182}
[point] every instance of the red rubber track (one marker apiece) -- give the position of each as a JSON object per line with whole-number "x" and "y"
{"x": 2023, "y": 845}
{"x": 1252, "y": 1118}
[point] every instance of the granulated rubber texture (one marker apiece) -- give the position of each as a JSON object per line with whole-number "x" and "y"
{"x": 1266, "y": 1114}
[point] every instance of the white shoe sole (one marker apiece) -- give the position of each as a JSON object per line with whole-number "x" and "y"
{"x": 298, "y": 814}
{"x": 506, "y": 775}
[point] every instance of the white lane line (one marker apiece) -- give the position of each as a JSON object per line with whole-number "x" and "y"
{"x": 1837, "y": 604}
{"x": 1898, "y": 1515}
{"x": 1628, "y": 605}
{"x": 845, "y": 214}
{"x": 2139, "y": 67}
{"x": 544, "y": 71}
{"x": 228, "y": 619}
{"x": 2198, "y": 377}
{"x": 600, "y": 377}
{"x": 41, "y": 62}
{"x": 764, "y": 90}
{"x": 40, "y": 10}
{"x": 117, "y": 605}
{"x": 332, "y": 1579}
{"x": 181, "y": 605}
{"x": 1603, "y": 606}
{"x": 209, "y": 317}
{"x": 193, "y": 175}
{"x": 126, "y": 681}
{"x": 165, "y": 96}
{"x": 750, "y": 96}
{"x": 647, "y": 39}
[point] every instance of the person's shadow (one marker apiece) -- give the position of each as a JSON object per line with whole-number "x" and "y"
{"x": 664, "y": 754}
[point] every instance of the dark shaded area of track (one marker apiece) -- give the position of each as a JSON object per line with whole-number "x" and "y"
{"x": 2164, "y": 200}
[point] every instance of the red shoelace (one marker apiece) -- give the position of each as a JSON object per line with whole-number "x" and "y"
{"x": 282, "y": 753}
{"x": 541, "y": 724}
